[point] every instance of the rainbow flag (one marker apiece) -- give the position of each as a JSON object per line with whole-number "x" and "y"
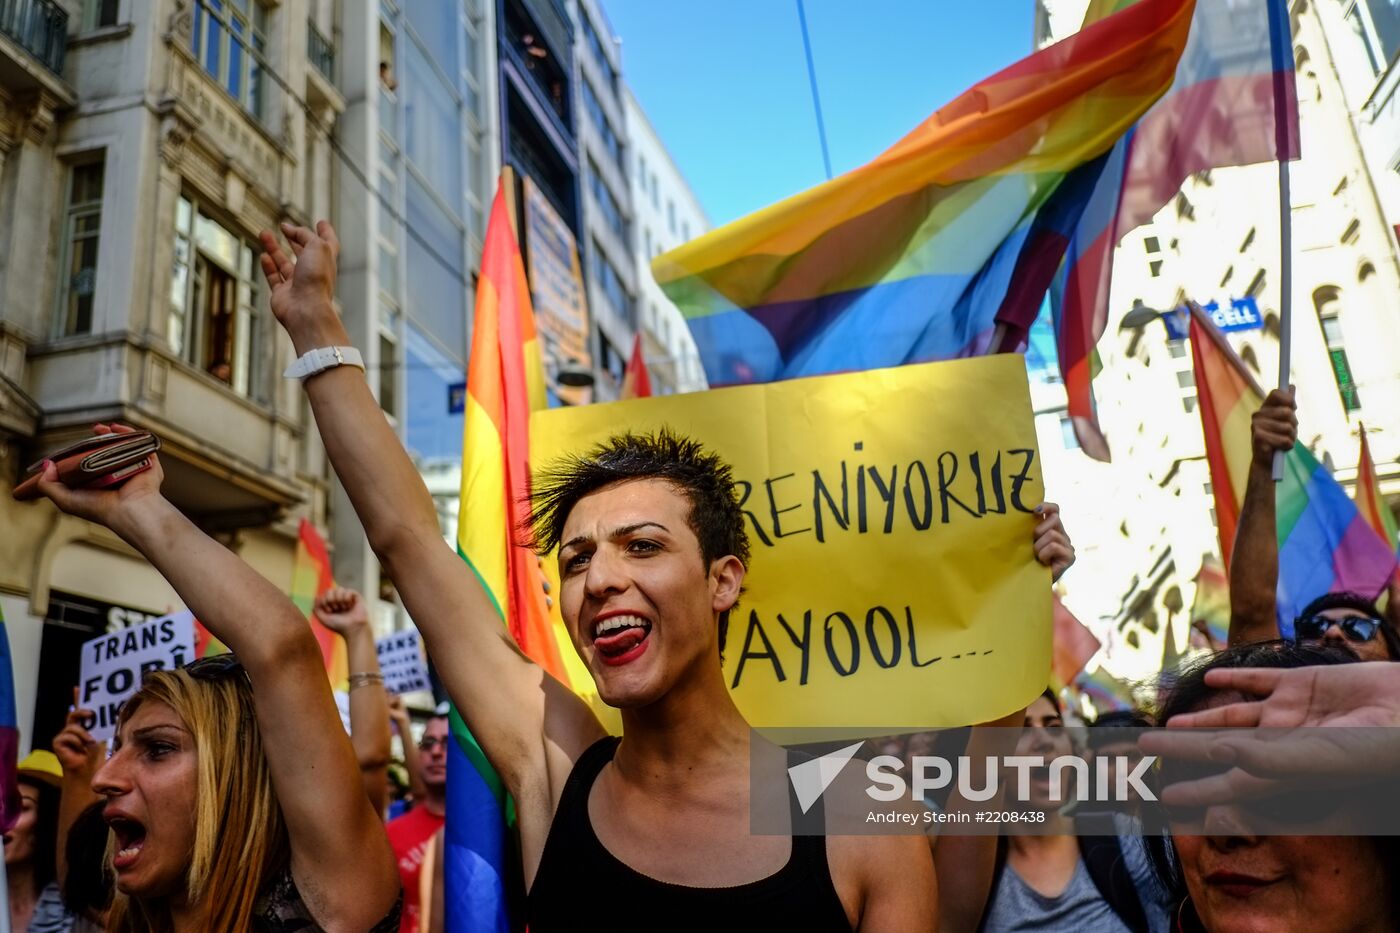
{"x": 921, "y": 253}
{"x": 1233, "y": 102}
{"x": 9, "y": 736}
{"x": 1210, "y": 610}
{"x": 505, "y": 382}
{"x": 1324, "y": 545}
{"x": 311, "y": 576}
{"x": 636, "y": 382}
{"x": 1369, "y": 501}
{"x": 1105, "y": 692}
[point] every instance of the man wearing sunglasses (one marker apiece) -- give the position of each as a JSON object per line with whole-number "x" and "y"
{"x": 1346, "y": 619}
{"x": 1349, "y": 620}
{"x": 410, "y": 834}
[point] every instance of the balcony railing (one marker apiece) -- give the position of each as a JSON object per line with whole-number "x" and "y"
{"x": 319, "y": 51}
{"x": 40, "y": 27}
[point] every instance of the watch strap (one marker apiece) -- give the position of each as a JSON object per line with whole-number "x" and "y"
{"x": 321, "y": 359}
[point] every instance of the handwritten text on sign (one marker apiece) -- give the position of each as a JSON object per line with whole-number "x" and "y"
{"x": 401, "y": 661}
{"x": 890, "y": 515}
{"x": 114, "y": 664}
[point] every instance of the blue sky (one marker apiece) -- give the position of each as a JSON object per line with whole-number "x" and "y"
{"x": 725, "y": 81}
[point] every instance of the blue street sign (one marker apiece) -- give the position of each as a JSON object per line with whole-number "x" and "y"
{"x": 456, "y": 398}
{"x": 1242, "y": 314}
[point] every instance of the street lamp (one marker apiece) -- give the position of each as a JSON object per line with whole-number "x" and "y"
{"x": 574, "y": 376}
{"x": 1139, "y": 317}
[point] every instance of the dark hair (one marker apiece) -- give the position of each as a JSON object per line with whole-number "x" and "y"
{"x": 1049, "y": 694}
{"x": 1189, "y": 692}
{"x": 705, "y": 479}
{"x": 45, "y": 831}
{"x": 1108, "y": 728}
{"x": 1358, "y": 603}
{"x": 87, "y": 888}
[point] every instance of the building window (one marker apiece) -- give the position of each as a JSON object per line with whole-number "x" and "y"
{"x": 1327, "y": 301}
{"x": 1154, "y": 266}
{"x": 1152, "y": 245}
{"x": 1177, "y": 349}
{"x": 1188, "y": 402}
{"x": 82, "y": 226}
{"x": 1377, "y": 24}
{"x": 610, "y": 284}
{"x": 1186, "y": 378}
{"x": 1352, "y": 233}
{"x": 230, "y": 40}
{"x": 1229, "y": 274}
{"x": 99, "y": 13}
{"x": 388, "y": 374}
{"x": 1248, "y": 240}
{"x": 1184, "y": 208}
{"x": 1067, "y": 435}
{"x": 595, "y": 45}
{"x": 1256, "y": 285}
{"x": 215, "y": 322}
{"x": 601, "y": 124}
{"x": 671, "y": 216}
{"x": 607, "y": 204}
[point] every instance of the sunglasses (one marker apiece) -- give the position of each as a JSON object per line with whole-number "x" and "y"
{"x": 430, "y": 742}
{"x": 1357, "y": 629}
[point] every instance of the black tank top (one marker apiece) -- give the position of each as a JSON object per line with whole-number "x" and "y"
{"x": 581, "y": 886}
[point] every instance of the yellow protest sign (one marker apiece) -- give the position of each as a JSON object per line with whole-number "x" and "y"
{"x": 890, "y": 513}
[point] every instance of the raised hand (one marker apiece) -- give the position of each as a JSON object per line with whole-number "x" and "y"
{"x": 342, "y": 610}
{"x": 105, "y": 506}
{"x": 1052, "y": 544}
{"x": 1302, "y": 727}
{"x": 78, "y": 753}
{"x": 398, "y": 716}
{"x": 303, "y": 284}
{"x": 1274, "y": 426}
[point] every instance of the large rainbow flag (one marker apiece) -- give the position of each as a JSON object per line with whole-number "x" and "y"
{"x": 1323, "y": 543}
{"x": 1369, "y": 501}
{"x": 9, "y": 736}
{"x": 505, "y": 382}
{"x": 1233, "y": 102}
{"x": 921, "y": 253}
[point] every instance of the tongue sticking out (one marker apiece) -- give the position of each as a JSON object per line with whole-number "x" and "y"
{"x": 615, "y": 644}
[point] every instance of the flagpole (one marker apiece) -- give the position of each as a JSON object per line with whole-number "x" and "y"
{"x": 812, "y": 80}
{"x": 1281, "y": 45}
{"x": 1285, "y": 329}
{"x": 4, "y": 899}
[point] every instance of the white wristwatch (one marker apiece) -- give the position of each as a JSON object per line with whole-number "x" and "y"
{"x": 321, "y": 359}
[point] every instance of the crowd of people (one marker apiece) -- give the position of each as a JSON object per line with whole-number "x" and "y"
{"x": 217, "y": 808}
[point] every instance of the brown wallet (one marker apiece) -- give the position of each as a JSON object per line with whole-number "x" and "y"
{"x": 102, "y": 460}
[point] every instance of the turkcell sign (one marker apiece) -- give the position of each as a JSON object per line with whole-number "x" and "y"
{"x": 1240, "y": 314}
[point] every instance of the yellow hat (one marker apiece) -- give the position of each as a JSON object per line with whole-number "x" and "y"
{"x": 43, "y": 766}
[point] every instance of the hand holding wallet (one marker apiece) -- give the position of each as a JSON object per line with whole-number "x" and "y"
{"x": 95, "y": 462}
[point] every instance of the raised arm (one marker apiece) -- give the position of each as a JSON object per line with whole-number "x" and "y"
{"x": 530, "y": 726}
{"x": 412, "y": 758}
{"x": 79, "y": 756}
{"x": 343, "y": 611}
{"x": 312, "y": 764}
{"x": 1254, "y": 564}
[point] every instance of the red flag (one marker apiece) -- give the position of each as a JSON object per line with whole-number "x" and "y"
{"x": 1074, "y": 645}
{"x": 636, "y": 382}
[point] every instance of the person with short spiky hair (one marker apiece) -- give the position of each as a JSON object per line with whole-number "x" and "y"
{"x": 650, "y": 831}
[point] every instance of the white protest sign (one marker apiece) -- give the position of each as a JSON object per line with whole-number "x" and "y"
{"x": 114, "y": 664}
{"x": 401, "y": 661}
